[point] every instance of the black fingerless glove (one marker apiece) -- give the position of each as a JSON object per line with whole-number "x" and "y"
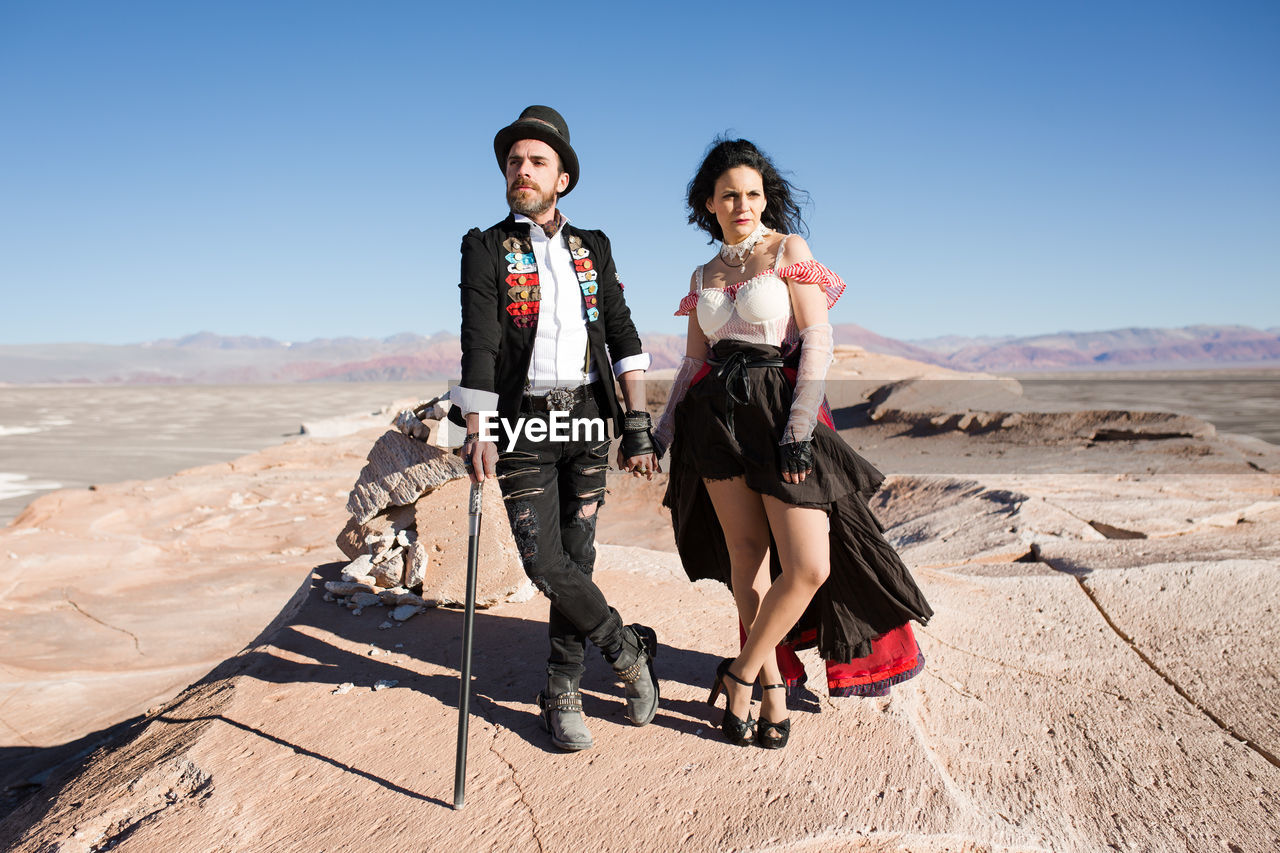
{"x": 797, "y": 457}
{"x": 637, "y": 434}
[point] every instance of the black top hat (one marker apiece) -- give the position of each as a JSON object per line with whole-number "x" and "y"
{"x": 545, "y": 125}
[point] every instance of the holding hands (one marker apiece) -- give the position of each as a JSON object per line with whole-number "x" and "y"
{"x": 636, "y": 450}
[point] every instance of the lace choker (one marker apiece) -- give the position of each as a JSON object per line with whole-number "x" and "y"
{"x": 737, "y": 254}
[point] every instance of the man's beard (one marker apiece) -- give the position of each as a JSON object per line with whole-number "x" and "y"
{"x": 531, "y": 204}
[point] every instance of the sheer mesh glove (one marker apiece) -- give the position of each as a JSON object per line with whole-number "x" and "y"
{"x": 816, "y": 348}
{"x": 664, "y": 432}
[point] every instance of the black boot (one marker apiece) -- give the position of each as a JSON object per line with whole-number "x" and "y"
{"x": 561, "y": 707}
{"x": 634, "y": 668}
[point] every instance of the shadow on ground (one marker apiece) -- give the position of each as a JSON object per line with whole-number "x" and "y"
{"x": 312, "y": 641}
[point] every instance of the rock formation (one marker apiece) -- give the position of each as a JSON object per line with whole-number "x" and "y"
{"x": 1098, "y": 674}
{"x": 407, "y": 535}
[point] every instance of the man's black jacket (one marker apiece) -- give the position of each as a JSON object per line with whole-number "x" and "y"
{"x": 500, "y": 302}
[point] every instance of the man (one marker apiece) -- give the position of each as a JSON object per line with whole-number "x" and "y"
{"x": 542, "y": 317}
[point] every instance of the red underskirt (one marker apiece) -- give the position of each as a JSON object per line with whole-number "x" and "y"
{"x": 895, "y": 657}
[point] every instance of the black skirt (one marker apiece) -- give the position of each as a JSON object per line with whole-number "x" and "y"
{"x": 729, "y": 426}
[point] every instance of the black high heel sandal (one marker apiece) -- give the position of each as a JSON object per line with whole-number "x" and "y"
{"x": 736, "y": 731}
{"x": 771, "y": 735}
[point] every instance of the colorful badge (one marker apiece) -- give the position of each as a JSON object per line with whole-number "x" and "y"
{"x": 523, "y": 309}
{"x": 529, "y": 279}
{"x": 521, "y": 262}
{"x": 585, "y": 269}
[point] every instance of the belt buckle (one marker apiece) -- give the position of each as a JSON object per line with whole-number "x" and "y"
{"x": 561, "y": 399}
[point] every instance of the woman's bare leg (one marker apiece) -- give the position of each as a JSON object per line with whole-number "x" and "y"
{"x": 746, "y": 532}
{"x": 801, "y": 535}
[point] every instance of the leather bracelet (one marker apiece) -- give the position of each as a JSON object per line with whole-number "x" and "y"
{"x": 471, "y": 436}
{"x": 637, "y": 434}
{"x": 636, "y": 421}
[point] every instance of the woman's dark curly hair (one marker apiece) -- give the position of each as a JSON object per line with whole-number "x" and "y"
{"x": 781, "y": 210}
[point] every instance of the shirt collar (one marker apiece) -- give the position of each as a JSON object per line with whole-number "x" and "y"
{"x": 535, "y": 228}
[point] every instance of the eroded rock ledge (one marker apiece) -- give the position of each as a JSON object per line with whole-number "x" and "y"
{"x": 1092, "y": 680}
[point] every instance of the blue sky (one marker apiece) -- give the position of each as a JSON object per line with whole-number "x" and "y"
{"x": 306, "y": 169}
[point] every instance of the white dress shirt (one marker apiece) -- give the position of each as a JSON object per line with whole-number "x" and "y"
{"x": 560, "y": 345}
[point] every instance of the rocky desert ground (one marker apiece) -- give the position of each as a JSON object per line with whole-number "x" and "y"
{"x": 177, "y": 672}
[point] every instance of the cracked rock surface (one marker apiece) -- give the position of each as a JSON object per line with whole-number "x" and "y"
{"x": 1100, "y": 676}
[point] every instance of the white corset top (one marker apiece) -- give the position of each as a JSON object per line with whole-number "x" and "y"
{"x": 757, "y": 310}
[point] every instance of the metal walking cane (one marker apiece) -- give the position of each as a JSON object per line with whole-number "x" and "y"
{"x": 468, "y": 625}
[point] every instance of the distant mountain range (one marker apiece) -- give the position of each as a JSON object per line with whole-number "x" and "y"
{"x": 209, "y": 358}
{"x": 1116, "y": 349}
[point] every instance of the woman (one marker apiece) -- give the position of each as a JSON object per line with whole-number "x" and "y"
{"x": 765, "y": 496}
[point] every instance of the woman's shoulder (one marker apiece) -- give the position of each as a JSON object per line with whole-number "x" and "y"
{"x": 690, "y": 300}
{"x": 789, "y": 250}
{"x": 799, "y": 267}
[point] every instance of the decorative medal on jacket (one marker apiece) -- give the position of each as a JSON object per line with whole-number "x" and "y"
{"x": 522, "y": 282}
{"x": 584, "y": 267}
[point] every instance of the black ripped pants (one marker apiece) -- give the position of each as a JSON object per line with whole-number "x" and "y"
{"x": 553, "y": 491}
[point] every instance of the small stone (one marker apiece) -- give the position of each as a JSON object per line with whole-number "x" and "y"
{"x": 360, "y": 567}
{"x": 405, "y": 612}
{"x": 416, "y": 561}
{"x": 409, "y": 424}
{"x": 344, "y": 687}
{"x": 385, "y": 625}
{"x": 385, "y": 683}
{"x": 344, "y": 588}
{"x": 365, "y": 599}
{"x": 356, "y": 611}
{"x": 400, "y": 595}
{"x": 402, "y": 539}
{"x": 390, "y": 572}
{"x": 328, "y": 596}
{"x": 435, "y": 409}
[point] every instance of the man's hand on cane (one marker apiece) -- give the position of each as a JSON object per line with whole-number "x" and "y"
{"x": 480, "y": 457}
